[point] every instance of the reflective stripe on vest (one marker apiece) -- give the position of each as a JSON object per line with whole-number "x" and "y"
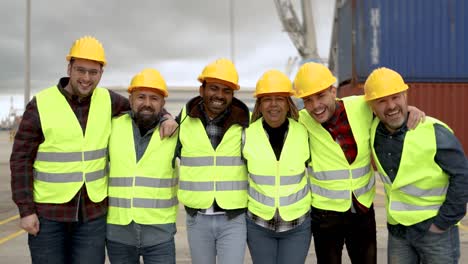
{"x": 69, "y": 177}
{"x": 68, "y": 157}
{"x": 283, "y": 201}
{"x": 340, "y": 174}
{"x": 210, "y": 186}
{"x": 208, "y": 174}
{"x": 142, "y": 181}
{"x": 209, "y": 161}
{"x": 413, "y": 190}
{"x": 276, "y": 184}
{"x": 411, "y": 200}
{"x": 270, "y": 180}
{"x": 399, "y": 206}
{"x": 333, "y": 179}
{"x": 342, "y": 194}
{"x": 71, "y": 156}
{"x": 143, "y": 203}
{"x": 143, "y": 191}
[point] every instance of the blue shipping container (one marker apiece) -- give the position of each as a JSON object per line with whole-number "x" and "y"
{"x": 424, "y": 40}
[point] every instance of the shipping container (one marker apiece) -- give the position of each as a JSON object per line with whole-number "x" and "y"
{"x": 444, "y": 101}
{"x": 424, "y": 40}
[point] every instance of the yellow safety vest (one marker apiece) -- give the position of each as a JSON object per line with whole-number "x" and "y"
{"x": 333, "y": 179}
{"x": 143, "y": 191}
{"x": 207, "y": 174}
{"x": 277, "y": 184}
{"x": 67, "y": 158}
{"x": 420, "y": 185}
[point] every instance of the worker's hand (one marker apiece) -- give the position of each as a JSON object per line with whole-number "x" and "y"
{"x": 435, "y": 229}
{"x": 30, "y": 224}
{"x": 167, "y": 128}
{"x": 415, "y": 117}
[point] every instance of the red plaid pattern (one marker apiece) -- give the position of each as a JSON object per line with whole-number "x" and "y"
{"x": 27, "y": 141}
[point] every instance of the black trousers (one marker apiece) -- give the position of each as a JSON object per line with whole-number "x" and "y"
{"x": 332, "y": 230}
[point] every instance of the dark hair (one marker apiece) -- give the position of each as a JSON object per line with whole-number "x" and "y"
{"x": 72, "y": 60}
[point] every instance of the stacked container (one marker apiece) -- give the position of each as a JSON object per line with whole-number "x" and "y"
{"x": 426, "y": 41}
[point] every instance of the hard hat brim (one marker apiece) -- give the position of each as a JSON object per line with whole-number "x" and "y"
{"x": 158, "y": 90}
{"x": 69, "y": 57}
{"x": 312, "y": 92}
{"x": 374, "y": 96}
{"x": 215, "y": 80}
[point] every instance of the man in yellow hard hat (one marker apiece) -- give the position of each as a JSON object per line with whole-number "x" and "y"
{"x": 142, "y": 183}
{"x": 59, "y": 158}
{"x": 342, "y": 179}
{"x": 212, "y": 176}
{"x": 278, "y": 217}
{"x": 425, "y": 175}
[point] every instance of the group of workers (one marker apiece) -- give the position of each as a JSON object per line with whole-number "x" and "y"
{"x": 92, "y": 170}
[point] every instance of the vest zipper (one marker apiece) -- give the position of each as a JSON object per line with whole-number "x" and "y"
{"x": 277, "y": 185}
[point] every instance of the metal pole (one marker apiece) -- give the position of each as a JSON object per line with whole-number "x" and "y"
{"x": 310, "y": 40}
{"x": 27, "y": 52}
{"x": 231, "y": 16}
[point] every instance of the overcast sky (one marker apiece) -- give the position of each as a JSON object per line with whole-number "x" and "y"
{"x": 176, "y": 37}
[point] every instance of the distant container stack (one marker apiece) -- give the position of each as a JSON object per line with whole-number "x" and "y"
{"x": 424, "y": 40}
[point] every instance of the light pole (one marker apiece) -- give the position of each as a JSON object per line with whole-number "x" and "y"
{"x": 27, "y": 53}
{"x": 231, "y": 24}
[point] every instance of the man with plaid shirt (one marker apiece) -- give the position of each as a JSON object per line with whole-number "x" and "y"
{"x": 342, "y": 179}
{"x": 59, "y": 161}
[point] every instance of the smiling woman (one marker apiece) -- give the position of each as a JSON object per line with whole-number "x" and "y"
{"x": 274, "y": 103}
{"x": 276, "y": 152}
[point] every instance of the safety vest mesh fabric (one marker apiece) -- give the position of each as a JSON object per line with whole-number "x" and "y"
{"x": 420, "y": 185}
{"x": 274, "y": 184}
{"x": 332, "y": 178}
{"x": 207, "y": 174}
{"x": 67, "y": 158}
{"x": 143, "y": 191}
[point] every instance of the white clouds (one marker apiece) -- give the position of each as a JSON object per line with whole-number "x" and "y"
{"x": 177, "y": 37}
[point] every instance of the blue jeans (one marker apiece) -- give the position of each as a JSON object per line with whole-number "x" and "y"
{"x": 75, "y": 242}
{"x": 432, "y": 248}
{"x": 163, "y": 253}
{"x": 270, "y": 247}
{"x": 216, "y": 235}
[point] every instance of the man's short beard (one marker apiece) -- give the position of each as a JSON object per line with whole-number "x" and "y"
{"x": 145, "y": 122}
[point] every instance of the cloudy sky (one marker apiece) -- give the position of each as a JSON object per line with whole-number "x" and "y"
{"x": 177, "y": 37}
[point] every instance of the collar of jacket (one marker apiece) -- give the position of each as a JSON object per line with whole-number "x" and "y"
{"x": 239, "y": 112}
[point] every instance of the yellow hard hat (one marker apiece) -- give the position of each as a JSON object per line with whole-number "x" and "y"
{"x": 383, "y": 82}
{"x": 222, "y": 70}
{"x": 273, "y": 81}
{"x": 312, "y": 78}
{"x": 88, "y": 48}
{"x": 149, "y": 78}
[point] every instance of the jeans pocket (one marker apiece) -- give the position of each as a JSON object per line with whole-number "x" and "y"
{"x": 191, "y": 220}
{"x": 239, "y": 219}
{"x": 434, "y": 234}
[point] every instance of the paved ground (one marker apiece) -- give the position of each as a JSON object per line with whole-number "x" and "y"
{"x": 13, "y": 241}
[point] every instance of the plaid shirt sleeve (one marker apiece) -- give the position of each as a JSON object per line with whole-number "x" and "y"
{"x": 23, "y": 154}
{"x": 119, "y": 103}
